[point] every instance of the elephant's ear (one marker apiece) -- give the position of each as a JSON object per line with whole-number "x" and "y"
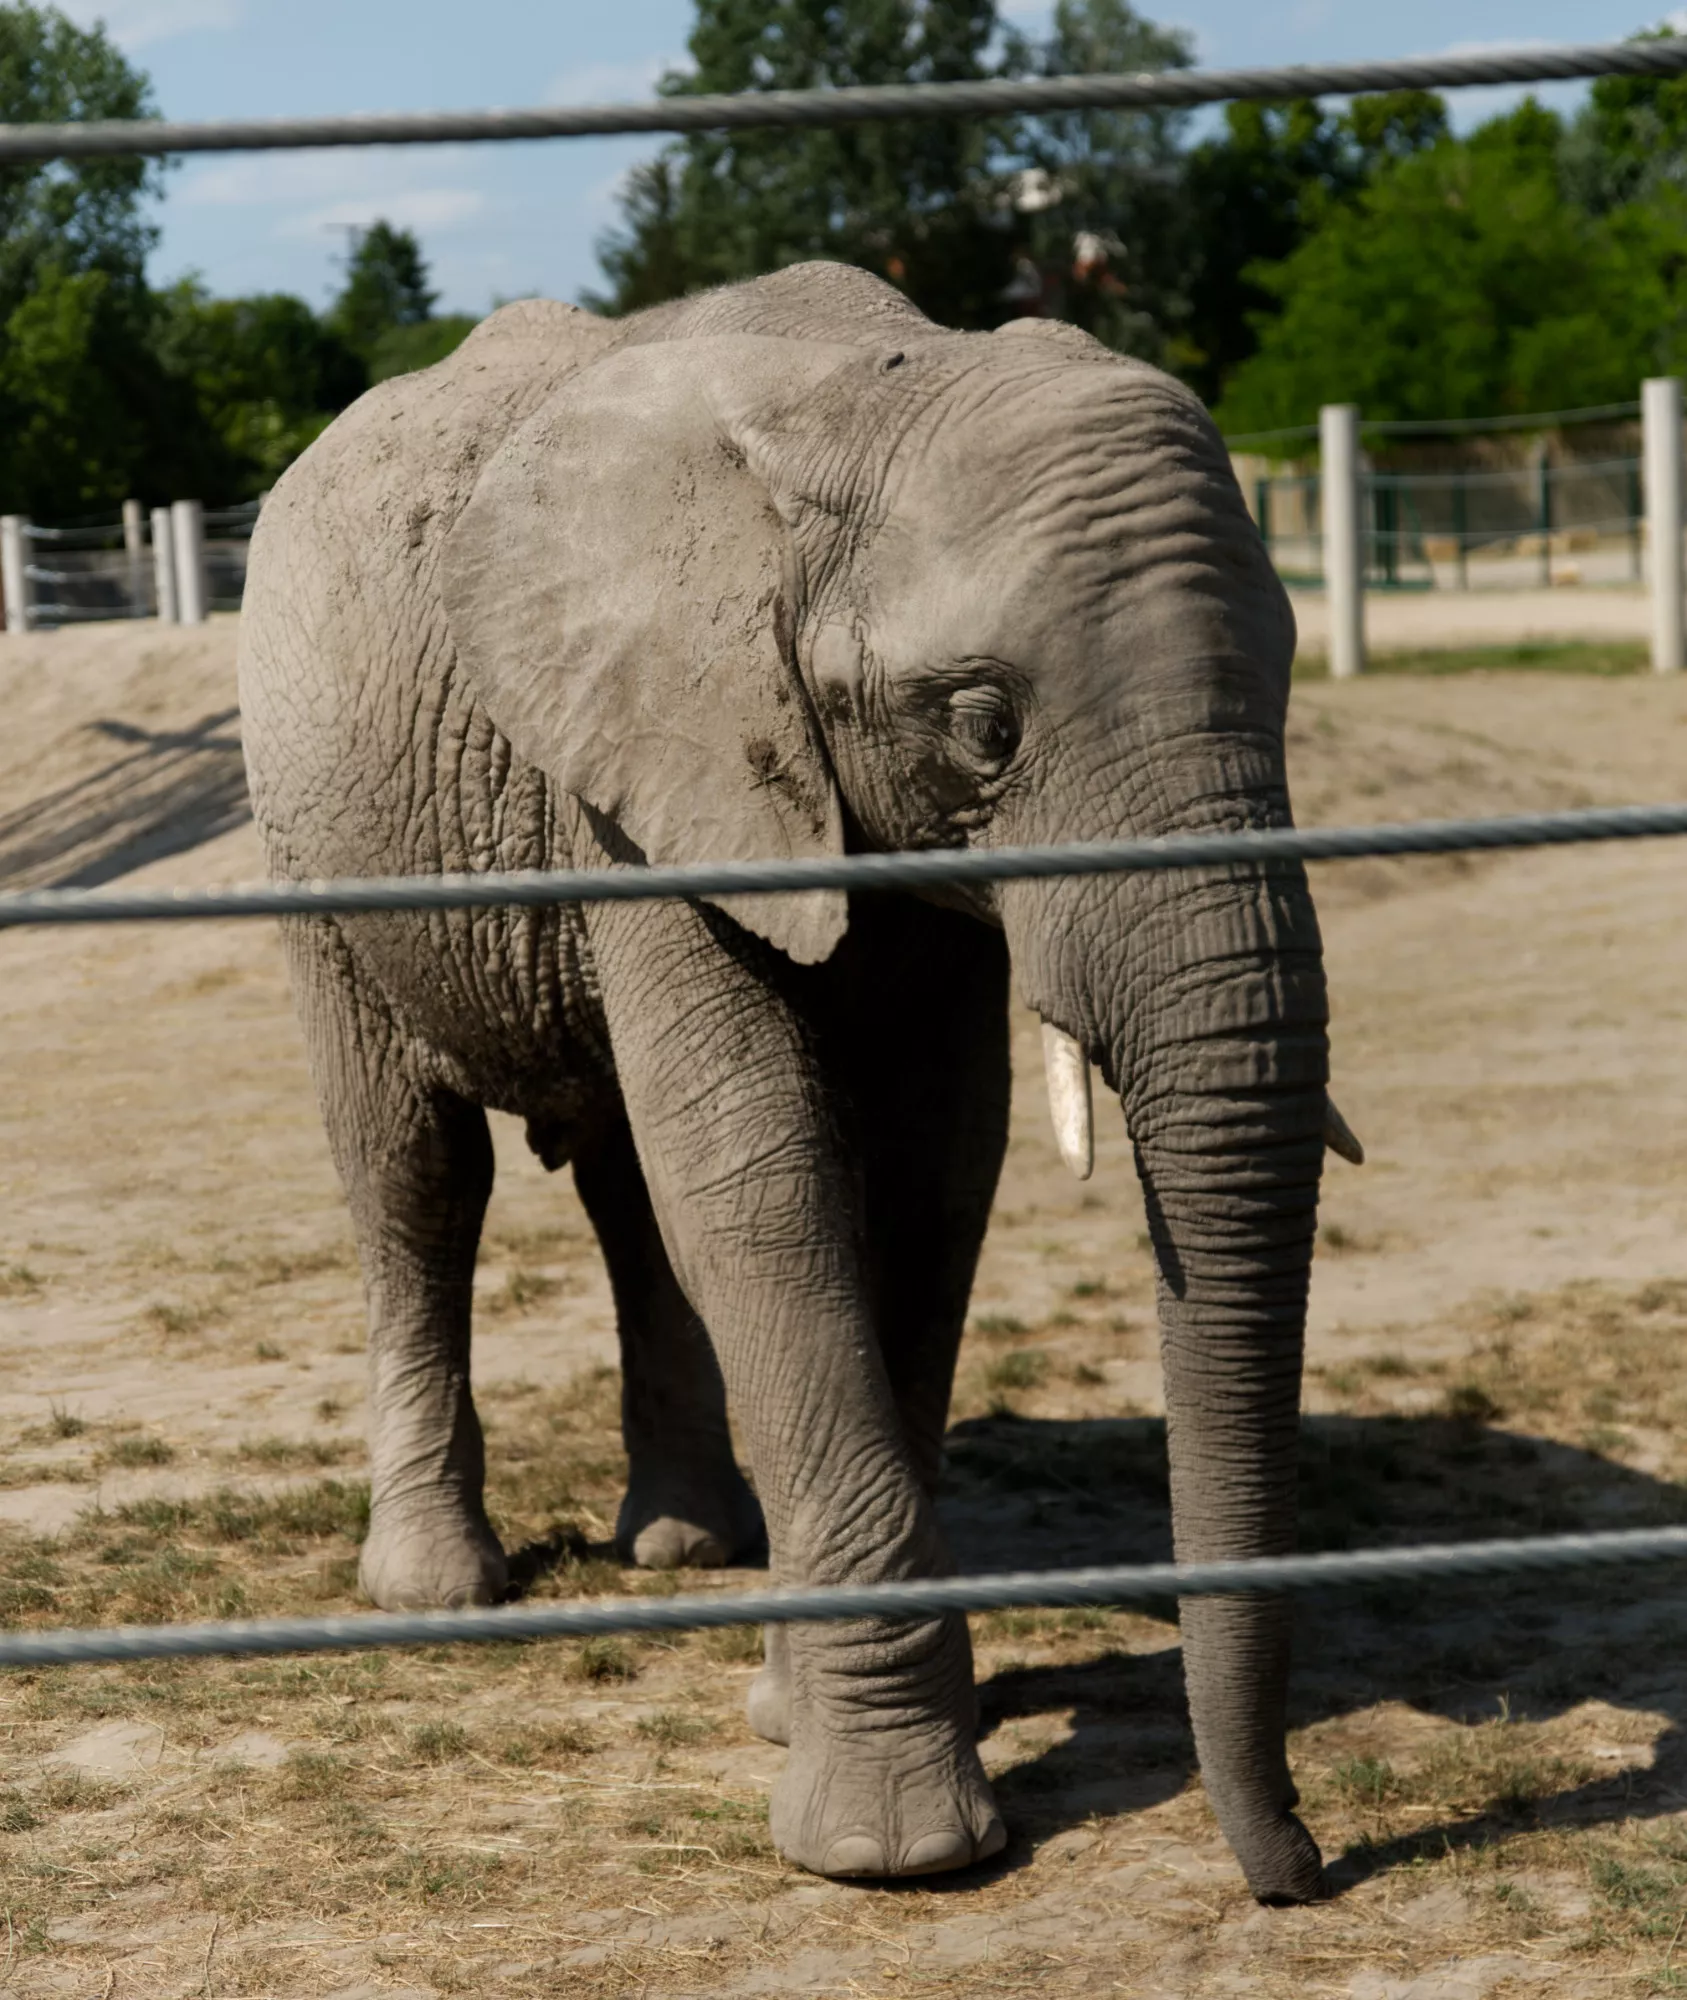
{"x": 618, "y": 588}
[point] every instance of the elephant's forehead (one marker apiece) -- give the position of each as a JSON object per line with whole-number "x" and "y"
{"x": 1085, "y": 508}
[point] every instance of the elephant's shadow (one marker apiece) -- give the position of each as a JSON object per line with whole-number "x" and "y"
{"x": 1042, "y": 1495}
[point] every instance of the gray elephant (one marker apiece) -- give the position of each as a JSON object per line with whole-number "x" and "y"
{"x": 787, "y": 570}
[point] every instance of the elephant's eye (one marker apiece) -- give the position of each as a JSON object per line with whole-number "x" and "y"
{"x": 984, "y": 721}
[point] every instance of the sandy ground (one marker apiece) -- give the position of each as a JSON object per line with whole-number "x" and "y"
{"x": 1403, "y": 621}
{"x": 1499, "y": 1312}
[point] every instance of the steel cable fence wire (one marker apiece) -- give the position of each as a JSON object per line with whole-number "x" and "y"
{"x": 989, "y": 98}
{"x": 939, "y": 867}
{"x": 1433, "y": 427}
{"x": 925, "y": 1598}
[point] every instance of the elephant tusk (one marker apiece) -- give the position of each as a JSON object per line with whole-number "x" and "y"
{"x": 1340, "y": 1137}
{"x": 1068, "y": 1071}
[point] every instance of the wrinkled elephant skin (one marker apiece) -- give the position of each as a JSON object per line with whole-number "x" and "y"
{"x": 770, "y": 572}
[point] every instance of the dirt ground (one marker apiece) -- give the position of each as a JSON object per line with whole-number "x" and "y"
{"x": 1498, "y": 1775}
{"x": 1398, "y": 621}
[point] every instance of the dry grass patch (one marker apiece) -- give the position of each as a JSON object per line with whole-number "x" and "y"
{"x": 600, "y": 1810}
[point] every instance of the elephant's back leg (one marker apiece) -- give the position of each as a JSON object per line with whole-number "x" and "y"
{"x": 927, "y": 1057}
{"x": 415, "y": 1159}
{"x": 687, "y": 1503}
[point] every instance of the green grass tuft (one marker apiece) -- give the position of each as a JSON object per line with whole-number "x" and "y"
{"x": 1604, "y": 658}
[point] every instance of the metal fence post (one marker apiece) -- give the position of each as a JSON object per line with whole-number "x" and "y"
{"x": 134, "y": 548}
{"x": 193, "y": 593}
{"x": 1543, "y": 510}
{"x": 164, "y": 566}
{"x": 14, "y": 571}
{"x": 1461, "y": 528}
{"x": 1661, "y": 418}
{"x": 1344, "y": 575}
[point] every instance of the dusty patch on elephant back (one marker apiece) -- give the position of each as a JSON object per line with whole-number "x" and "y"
{"x": 1500, "y": 1311}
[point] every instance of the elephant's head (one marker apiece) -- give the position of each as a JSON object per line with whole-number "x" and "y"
{"x": 758, "y": 597}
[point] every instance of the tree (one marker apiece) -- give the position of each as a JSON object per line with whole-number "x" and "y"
{"x": 1101, "y": 201}
{"x": 77, "y": 383}
{"x": 75, "y": 215}
{"x": 1461, "y": 282}
{"x": 921, "y": 204}
{"x": 1260, "y": 190}
{"x": 384, "y": 313}
{"x": 266, "y": 377}
{"x": 386, "y": 286}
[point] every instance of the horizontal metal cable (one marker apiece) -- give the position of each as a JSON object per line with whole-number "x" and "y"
{"x": 927, "y": 1598}
{"x": 1604, "y": 413}
{"x": 939, "y": 868}
{"x": 1539, "y": 420}
{"x": 1167, "y": 89}
{"x": 91, "y": 538}
{"x": 1524, "y": 477}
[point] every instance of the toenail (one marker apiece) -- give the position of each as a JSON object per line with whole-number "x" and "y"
{"x": 854, "y": 1854}
{"x": 935, "y": 1853}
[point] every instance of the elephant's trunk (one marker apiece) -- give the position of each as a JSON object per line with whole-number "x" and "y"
{"x": 1203, "y": 998}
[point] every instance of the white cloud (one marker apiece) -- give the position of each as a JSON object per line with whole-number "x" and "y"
{"x": 419, "y": 208}
{"x": 610, "y": 83}
{"x": 280, "y": 180}
{"x": 264, "y": 179}
{"x": 132, "y": 24}
{"x": 1516, "y": 45}
{"x": 302, "y": 196}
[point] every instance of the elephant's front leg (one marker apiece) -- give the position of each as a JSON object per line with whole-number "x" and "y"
{"x": 922, "y": 1037}
{"x": 416, "y": 1164}
{"x": 733, "y": 1114}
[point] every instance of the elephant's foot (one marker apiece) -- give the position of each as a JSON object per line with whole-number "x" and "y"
{"x": 768, "y": 1706}
{"x": 420, "y": 1559}
{"x": 883, "y": 1778}
{"x": 909, "y": 1801}
{"x": 676, "y": 1518}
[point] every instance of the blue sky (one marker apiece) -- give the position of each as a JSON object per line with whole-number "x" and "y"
{"x": 503, "y": 220}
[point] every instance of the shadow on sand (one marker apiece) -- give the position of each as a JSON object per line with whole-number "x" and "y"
{"x": 1042, "y": 1495}
{"x": 168, "y": 791}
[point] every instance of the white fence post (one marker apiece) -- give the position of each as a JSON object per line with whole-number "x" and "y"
{"x": 1344, "y": 572}
{"x": 192, "y": 585}
{"x": 14, "y": 571}
{"x": 1661, "y": 417}
{"x": 164, "y": 566}
{"x": 134, "y": 547}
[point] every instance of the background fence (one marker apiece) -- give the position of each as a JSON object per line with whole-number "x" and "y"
{"x": 1515, "y": 513}
{"x": 1516, "y": 527}
{"x": 178, "y": 564}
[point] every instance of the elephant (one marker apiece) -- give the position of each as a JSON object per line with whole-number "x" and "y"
{"x": 788, "y": 570}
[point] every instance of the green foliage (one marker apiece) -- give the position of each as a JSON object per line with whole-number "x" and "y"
{"x": 402, "y": 349}
{"x": 266, "y": 374}
{"x": 76, "y": 385}
{"x": 71, "y": 216}
{"x": 920, "y": 204}
{"x": 107, "y": 389}
{"x": 1630, "y": 141}
{"x": 1277, "y": 176}
{"x": 386, "y": 288}
{"x": 1463, "y": 282}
